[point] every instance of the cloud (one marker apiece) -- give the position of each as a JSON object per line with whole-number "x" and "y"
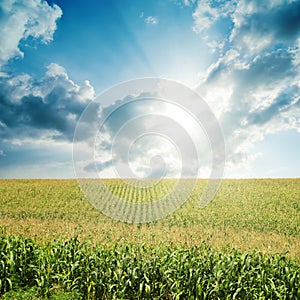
{"x": 49, "y": 106}
{"x": 37, "y": 123}
{"x": 129, "y": 143}
{"x": 208, "y": 13}
{"x": 37, "y": 159}
{"x": 55, "y": 70}
{"x": 249, "y": 26}
{"x": 152, "y": 20}
{"x": 213, "y": 21}
{"x": 25, "y": 19}
{"x": 37, "y": 116}
{"x": 258, "y": 26}
{"x": 188, "y": 2}
{"x": 254, "y": 83}
{"x": 288, "y": 99}
{"x": 141, "y": 136}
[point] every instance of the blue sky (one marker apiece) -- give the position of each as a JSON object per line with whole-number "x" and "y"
{"x": 241, "y": 56}
{"x": 108, "y": 42}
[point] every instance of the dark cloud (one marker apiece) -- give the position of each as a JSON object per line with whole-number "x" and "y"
{"x": 267, "y": 69}
{"x": 280, "y": 21}
{"x": 287, "y": 21}
{"x": 264, "y": 69}
{"x": 265, "y": 72}
{"x": 37, "y": 123}
{"x": 55, "y": 111}
{"x": 283, "y": 102}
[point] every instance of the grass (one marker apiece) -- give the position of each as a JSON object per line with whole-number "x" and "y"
{"x": 254, "y": 218}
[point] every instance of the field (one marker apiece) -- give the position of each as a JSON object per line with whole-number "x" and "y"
{"x": 245, "y": 244}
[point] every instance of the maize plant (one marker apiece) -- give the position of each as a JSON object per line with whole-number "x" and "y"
{"x": 140, "y": 272}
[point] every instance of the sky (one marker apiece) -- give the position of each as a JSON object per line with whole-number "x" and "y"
{"x": 57, "y": 57}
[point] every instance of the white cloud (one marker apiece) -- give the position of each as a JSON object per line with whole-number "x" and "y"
{"x": 86, "y": 91}
{"x": 23, "y": 19}
{"x": 55, "y": 70}
{"x": 254, "y": 83}
{"x": 253, "y": 101}
{"x": 148, "y": 138}
{"x": 188, "y": 2}
{"x": 17, "y": 87}
{"x": 206, "y": 14}
{"x": 152, "y": 20}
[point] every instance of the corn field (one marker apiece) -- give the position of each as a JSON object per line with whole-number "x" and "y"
{"x": 129, "y": 272}
{"x": 244, "y": 245}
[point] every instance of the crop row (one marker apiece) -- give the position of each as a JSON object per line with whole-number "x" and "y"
{"x": 141, "y": 272}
